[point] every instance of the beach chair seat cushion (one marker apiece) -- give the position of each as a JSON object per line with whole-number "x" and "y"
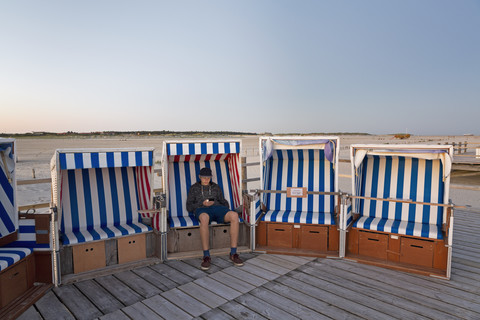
{"x": 102, "y": 233}
{"x": 290, "y": 216}
{"x": 409, "y": 228}
{"x": 10, "y": 256}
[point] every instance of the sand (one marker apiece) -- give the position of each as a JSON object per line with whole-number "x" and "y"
{"x": 34, "y": 155}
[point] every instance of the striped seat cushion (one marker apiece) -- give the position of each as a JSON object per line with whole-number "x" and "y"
{"x": 27, "y": 236}
{"x": 404, "y": 178}
{"x": 417, "y": 229}
{"x": 100, "y": 203}
{"x": 183, "y": 171}
{"x": 299, "y": 217}
{"x": 10, "y": 256}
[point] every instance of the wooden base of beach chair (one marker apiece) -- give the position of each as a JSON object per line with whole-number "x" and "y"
{"x": 16, "y": 280}
{"x": 188, "y": 239}
{"x": 18, "y": 306}
{"x": 413, "y": 254}
{"x": 293, "y": 237}
{"x": 97, "y": 255}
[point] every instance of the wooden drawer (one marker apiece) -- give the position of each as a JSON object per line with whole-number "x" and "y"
{"x": 373, "y": 245}
{"x": 220, "y": 237}
{"x": 416, "y": 251}
{"x": 314, "y": 238}
{"x": 88, "y": 256}
{"x": 181, "y": 240}
{"x": 280, "y": 235}
{"x": 131, "y": 248}
{"x": 13, "y": 282}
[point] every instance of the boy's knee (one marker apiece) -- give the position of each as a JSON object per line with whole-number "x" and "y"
{"x": 204, "y": 218}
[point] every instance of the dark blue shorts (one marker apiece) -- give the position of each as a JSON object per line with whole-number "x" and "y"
{"x": 216, "y": 213}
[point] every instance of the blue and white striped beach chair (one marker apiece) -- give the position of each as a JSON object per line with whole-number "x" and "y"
{"x": 100, "y": 192}
{"x": 25, "y": 243}
{"x": 182, "y": 162}
{"x": 400, "y": 204}
{"x": 299, "y": 181}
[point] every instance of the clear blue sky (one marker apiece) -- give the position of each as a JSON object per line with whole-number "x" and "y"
{"x": 255, "y": 66}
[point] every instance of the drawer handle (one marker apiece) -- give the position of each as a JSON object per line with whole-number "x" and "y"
{"x": 314, "y": 232}
{"x": 16, "y": 274}
{"x": 279, "y": 229}
{"x": 415, "y": 246}
{"x": 372, "y": 239}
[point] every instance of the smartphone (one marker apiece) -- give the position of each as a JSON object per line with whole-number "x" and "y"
{"x": 211, "y": 199}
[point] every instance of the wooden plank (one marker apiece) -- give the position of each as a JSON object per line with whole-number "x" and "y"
{"x": 166, "y": 309}
{"x": 242, "y": 274}
{"x": 261, "y": 307}
{"x": 260, "y": 272}
{"x": 30, "y": 314}
{"x": 197, "y": 262}
{"x": 294, "y": 259}
{"x": 309, "y": 301}
{"x": 276, "y": 259}
{"x": 185, "y": 268}
{"x": 359, "y": 286}
{"x": 239, "y": 311}
{"x": 210, "y": 299}
{"x": 141, "y": 286}
{"x": 51, "y": 308}
{"x": 139, "y": 311}
{"x": 171, "y": 273}
{"x": 360, "y": 297}
{"x": 102, "y": 299}
{"x": 77, "y": 303}
{"x": 119, "y": 290}
{"x": 161, "y": 282}
{"x": 186, "y": 302}
{"x": 338, "y": 301}
{"x": 268, "y": 266}
{"x": 116, "y": 315}
{"x": 375, "y": 277}
{"x": 215, "y": 314}
{"x": 218, "y": 288}
{"x": 232, "y": 282}
{"x": 296, "y": 309}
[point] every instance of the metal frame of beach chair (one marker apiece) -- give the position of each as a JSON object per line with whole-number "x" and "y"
{"x": 300, "y": 200}
{"x": 182, "y": 161}
{"x": 101, "y": 196}
{"x": 399, "y": 214}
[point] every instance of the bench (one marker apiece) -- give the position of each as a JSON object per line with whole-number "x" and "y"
{"x": 400, "y": 204}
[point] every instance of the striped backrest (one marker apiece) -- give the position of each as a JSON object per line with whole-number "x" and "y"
{"x": 27, "y": 236}
{"x": 103, "y": 188}
{"x": 401, "y": 178}
{"x": 8, "y": 206}
{"x": 183, "y": 164}
{"x": 299, "y": 168}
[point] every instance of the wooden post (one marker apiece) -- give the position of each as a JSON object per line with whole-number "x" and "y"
{"x": 244, "y": 174}
{"x": 454, "y": 149}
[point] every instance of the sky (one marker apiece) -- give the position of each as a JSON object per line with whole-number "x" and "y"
{"x": 276, "y": 66}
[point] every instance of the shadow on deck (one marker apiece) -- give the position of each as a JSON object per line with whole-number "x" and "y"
{"x": 277, "y": 287}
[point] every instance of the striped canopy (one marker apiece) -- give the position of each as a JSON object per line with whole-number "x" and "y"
{"x": 8, "y": 206}
{"x": 199, "y": 148}
{"x": 104, "y": 159}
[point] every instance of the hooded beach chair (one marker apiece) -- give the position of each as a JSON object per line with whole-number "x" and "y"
{"x": 401, "y": 216}
{"x": 182, "y": 162}
{"x": 25, "y": 244}
{"x": 99, "y": 195}
{"x": 299, "y": 195}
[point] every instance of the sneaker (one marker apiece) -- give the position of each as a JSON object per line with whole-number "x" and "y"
{"x": 206, "y": 263}
{"x": 236, "y": 260}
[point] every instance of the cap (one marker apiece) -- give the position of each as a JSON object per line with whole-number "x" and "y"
{"x": 206, "y": 172}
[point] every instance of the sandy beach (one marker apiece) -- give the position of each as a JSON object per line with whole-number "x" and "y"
{"x": 34, "y": 155}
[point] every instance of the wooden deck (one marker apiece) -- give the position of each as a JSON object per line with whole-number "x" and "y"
{"x": 277, "y": 287}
